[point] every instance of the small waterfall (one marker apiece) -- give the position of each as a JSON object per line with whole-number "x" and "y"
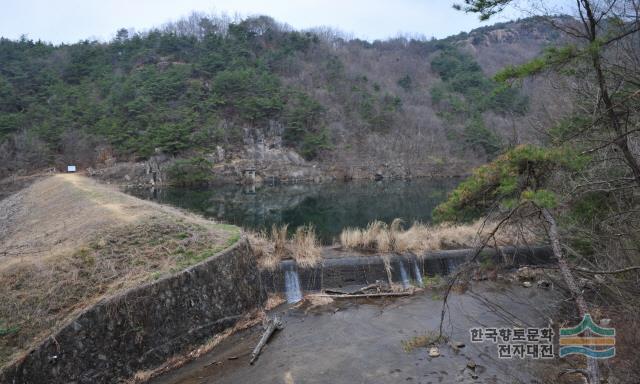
{"x": 416, "y": 270}
{"x": 292, "y": 285}
{"x": 403, "y": 275}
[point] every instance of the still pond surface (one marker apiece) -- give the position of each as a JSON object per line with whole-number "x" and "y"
{"x": 330, "y": 207}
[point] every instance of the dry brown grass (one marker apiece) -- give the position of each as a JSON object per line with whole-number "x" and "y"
{"x": 306, "y": 250}
{"x": 271, "y": 248}
{"x": 273, "y": 300}
{"x": 66, "y": 242}
{"x": 317, "y": 301}
{"x": 351, "y": 238}
{"x": 263, "y": 250}
{"x": 279, "y": 238}
{"x": 420, "y": 238}
{"x": 387, "y": 267}
{"x": 375, "y": 237}
{"x": 429, "y": 338}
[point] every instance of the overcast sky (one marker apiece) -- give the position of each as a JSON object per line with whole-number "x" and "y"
{"x": 72, "y": 20}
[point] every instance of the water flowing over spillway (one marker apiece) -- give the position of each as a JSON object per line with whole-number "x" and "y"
{"x": 403, "y": 275}
{"x": 416, "y": 270}
{"x": 292, "y": 285}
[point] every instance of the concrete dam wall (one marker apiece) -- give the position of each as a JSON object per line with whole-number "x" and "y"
{"x": 141, "y": 328}
{"x": 406, "y": 269}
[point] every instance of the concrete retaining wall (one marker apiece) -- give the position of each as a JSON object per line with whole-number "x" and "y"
{"x": 140, "y": 328}
{"x": 346, "y": 270}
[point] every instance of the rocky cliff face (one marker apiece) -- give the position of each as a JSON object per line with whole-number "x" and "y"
{"x": 261, "y": 158}
{"x": 264, "y": 158}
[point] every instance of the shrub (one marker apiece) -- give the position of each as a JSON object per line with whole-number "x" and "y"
{"x": 302, "y": 115}
{"x": 190, "y": 172}
{"x": 467, "y": 92}
{"x": 253, "y": 94}
{"x": 405, "y": 83}
{"x": 314, "y": 143}
{"x": 518, "y": 175}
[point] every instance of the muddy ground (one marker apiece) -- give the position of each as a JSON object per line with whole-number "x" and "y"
{"x": 361, "y": 342}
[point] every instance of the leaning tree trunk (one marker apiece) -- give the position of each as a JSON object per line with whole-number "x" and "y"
{"x": 576, "y": 293}
{"x": 622, "y": 141}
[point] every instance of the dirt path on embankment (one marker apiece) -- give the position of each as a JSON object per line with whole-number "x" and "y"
{"x": 66, "y": 241}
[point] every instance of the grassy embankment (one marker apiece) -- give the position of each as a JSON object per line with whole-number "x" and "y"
{"x": 67, "y": 241}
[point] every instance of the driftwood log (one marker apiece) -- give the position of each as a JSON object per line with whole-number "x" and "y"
{"x": 371, "y": 290}
{"x": 273, "y": 324}
{"x": 376, "y": 288}
{"x": 381, "y": 294}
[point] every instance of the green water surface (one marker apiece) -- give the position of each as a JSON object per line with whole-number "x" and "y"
{"x": 330, "y": 207}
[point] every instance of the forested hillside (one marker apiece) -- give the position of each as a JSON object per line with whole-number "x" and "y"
{"x": 208, "y": 85}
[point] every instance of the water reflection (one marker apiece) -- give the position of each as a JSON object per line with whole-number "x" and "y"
{"x": 330, "y": 207}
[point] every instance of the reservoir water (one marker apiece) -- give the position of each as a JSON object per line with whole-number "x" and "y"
{"x": 330, "y": 207}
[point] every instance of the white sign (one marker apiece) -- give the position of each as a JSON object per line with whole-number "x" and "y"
{"x": 71, "y": 168}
